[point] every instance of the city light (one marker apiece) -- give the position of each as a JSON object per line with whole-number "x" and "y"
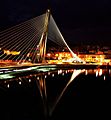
{"x": 11, "y": 52}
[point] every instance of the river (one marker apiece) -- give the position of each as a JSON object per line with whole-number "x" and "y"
{"x": 55, "y": 94}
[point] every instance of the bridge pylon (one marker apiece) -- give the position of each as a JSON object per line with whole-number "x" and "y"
{"x": 43, "y": 40}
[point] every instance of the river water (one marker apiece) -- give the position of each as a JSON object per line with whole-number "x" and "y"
{"x": 56, "y": 94}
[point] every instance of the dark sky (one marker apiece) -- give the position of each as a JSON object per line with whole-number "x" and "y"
{"x": 80, "y": 21}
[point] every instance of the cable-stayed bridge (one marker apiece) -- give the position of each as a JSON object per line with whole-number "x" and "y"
{"x": 27, "y": 42}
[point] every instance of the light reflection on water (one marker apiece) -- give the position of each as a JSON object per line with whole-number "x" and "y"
{"x": 52, "y": 84}
{"x": 31, "y": 77}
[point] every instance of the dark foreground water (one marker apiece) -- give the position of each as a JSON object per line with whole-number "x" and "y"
{"x": 59, "y": 94}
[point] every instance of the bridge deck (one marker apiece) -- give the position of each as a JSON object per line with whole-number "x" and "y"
{"x": 74, "y": 65}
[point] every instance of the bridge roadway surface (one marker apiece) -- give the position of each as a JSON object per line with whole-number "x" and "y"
{"x": 44, "y": 65}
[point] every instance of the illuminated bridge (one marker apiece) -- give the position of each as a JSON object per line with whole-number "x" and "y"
{"x": 25, "y": 43}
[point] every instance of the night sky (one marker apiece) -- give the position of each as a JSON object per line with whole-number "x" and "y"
{"x": 81, "y": 22}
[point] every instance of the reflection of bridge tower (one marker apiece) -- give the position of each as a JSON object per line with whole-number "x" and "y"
{"x": 43, "y": 40}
